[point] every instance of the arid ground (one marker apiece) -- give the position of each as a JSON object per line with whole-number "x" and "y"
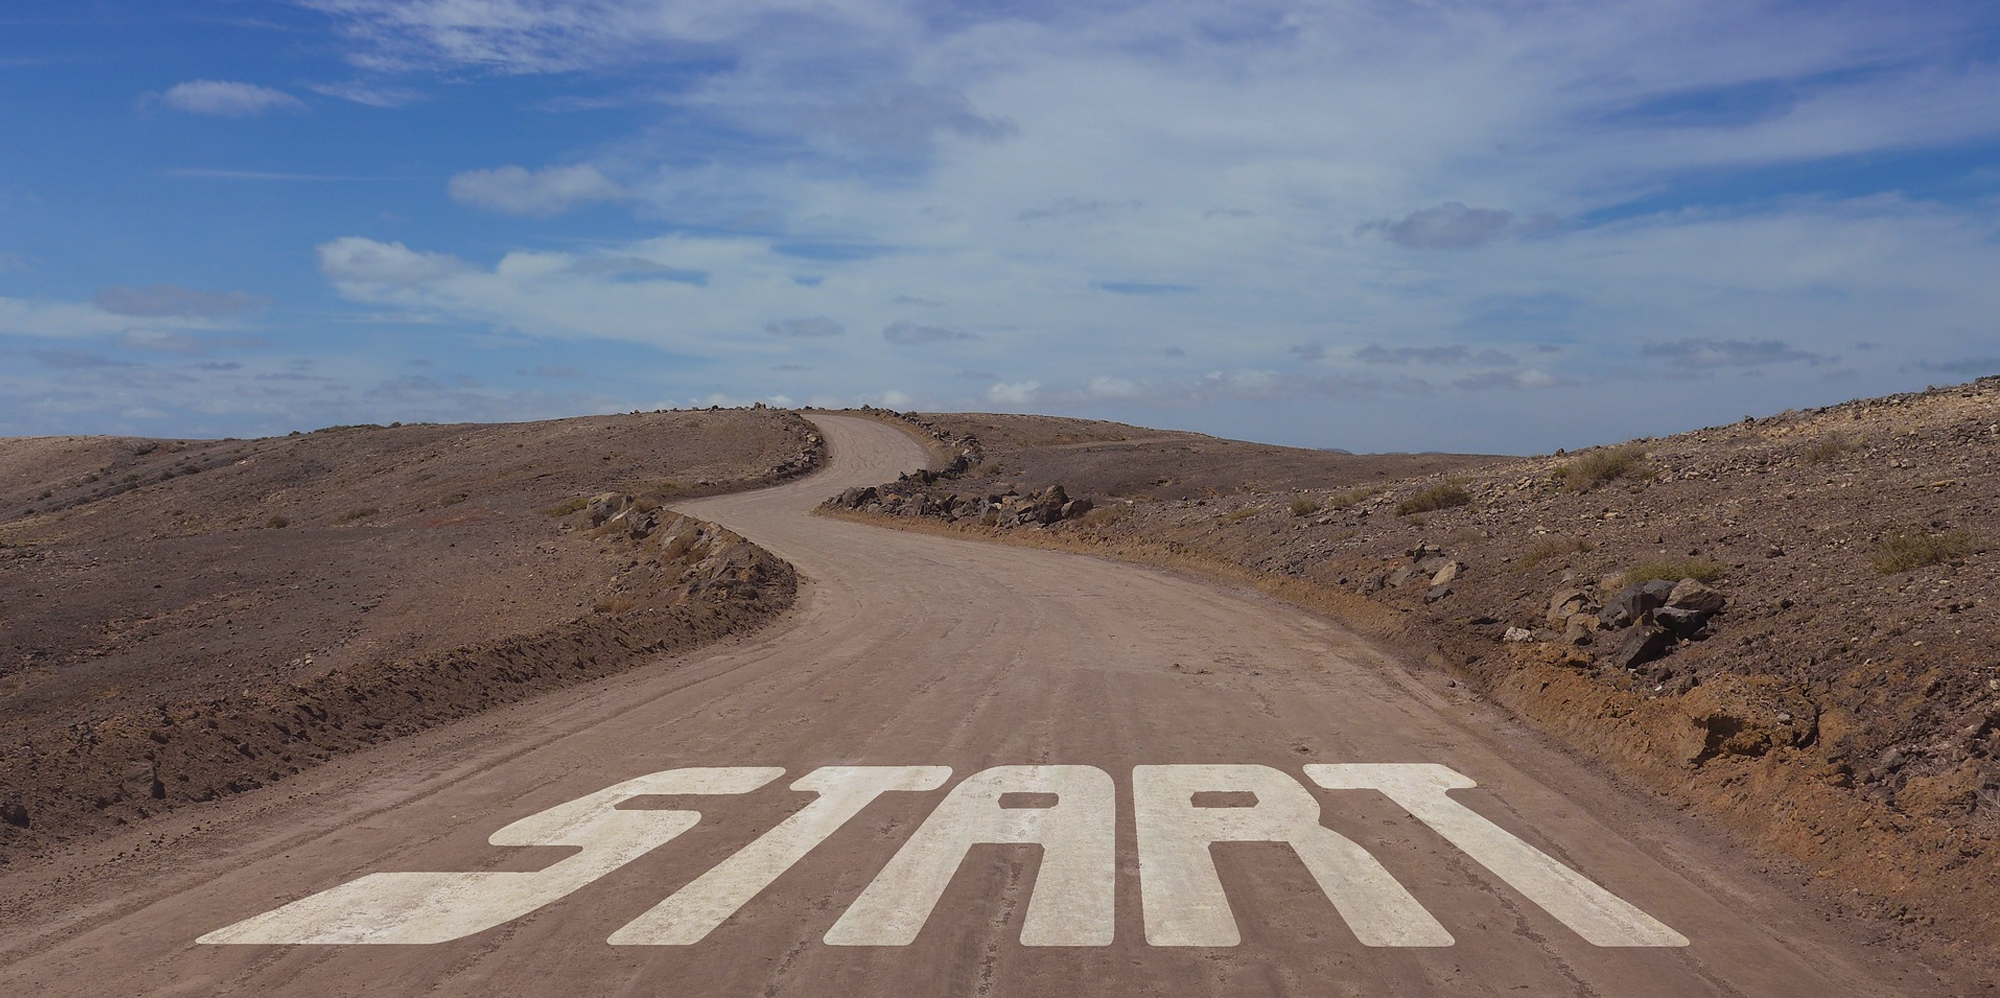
{"x": 1742, "y": 811}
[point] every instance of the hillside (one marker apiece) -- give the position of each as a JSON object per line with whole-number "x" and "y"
{"x": 187, "y": 619}
{"x": 1828, "y": 688}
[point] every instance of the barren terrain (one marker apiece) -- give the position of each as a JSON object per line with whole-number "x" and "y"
{"x": 176, "y": 617}
{"x": 1841, "y": 713}
{"x": 1052, "y": 694}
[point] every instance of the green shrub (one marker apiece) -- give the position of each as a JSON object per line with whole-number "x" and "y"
{"x": 357, "y": 514}
{"x": 1436, "y": 497}
{"x": 277, "y": 523}
{"x": 1304, "y": 507}
{"x": 1676, "y": 569}
{"x": 1901, "y": 551}
{"x": 567, "y": 506}
{"x": 1604, "y": 464}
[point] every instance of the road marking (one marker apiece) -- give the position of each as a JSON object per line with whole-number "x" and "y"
{"x": 693, "y": 911}
{"x": 1600, "y": 917}
{"x": 1072, "y": 903}
{"x": 439, "y": 907}
{"x": 1070, "y": 811}
{"x": 1181, "y": 894}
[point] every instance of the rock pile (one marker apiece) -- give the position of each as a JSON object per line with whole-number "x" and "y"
{"x": 913, "y": 494}
{"x": 909, "y": 497}
{"x": 711, "y": 558}
{"x": 1638, "y": 625}
{"x": 1426, "y": 564}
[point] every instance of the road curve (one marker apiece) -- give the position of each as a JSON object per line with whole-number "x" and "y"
{"x": 1091, "y": 703}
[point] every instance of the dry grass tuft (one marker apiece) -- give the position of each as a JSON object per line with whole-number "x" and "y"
{"x": 1599, "y": 466}
{"x": 1436, "y": 497}
{"x": 1901, "y": 551}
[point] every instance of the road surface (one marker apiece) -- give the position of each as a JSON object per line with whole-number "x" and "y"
{"x": 956, "y": 769}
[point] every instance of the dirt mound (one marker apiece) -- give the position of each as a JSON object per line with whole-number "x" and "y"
{"x": 1840, "y": 706}
{"x": 169, "y": 641}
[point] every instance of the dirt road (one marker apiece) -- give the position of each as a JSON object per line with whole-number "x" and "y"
{"x": 958, "y": 769}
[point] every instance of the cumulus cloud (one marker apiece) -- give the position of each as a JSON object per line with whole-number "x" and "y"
{"x": 1375, "y": 353}
{"x": 1729, "y": 353}
{"x": 909, "y": 333}
{"x": 1451, "y": 225}
{"x": 167, "y": 300}
{"x": 226, "y": 99}
{"x": 818, "y": 326}
{"x": 1014, "y": 393}
{"x": 545, "y": 192}
{"x": 354, "y": 259}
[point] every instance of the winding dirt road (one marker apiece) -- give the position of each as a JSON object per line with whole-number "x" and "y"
{"x": 956, "y": 769}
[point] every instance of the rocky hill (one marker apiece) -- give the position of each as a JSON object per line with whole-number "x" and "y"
{"x": 181, "y": 620}
{"x": 1786, "y": 624}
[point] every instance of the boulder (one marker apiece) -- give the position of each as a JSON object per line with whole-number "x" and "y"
{"x": 642, "y": 524}
{"x": 1580, "y": 629}
{"x": 1566, "y": 603}
{"x": 1684, "y": 623}
{"x": 1075, "y": 508}
{"x": 1400, "y": 577}
{"x": 1634, "y": 602}
{"x": 1437, "y": 593}
{"x": 603, "y": 507}
{"x": 1518, "y": 635}
{"x": 1641, "y": 645}
{"x": 1446, "y": 572}
{"x": 857, "y": 498}
{"x": 1692, "y": 596}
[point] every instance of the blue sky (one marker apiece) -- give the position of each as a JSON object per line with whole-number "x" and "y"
{"x": 1500, "y": 226}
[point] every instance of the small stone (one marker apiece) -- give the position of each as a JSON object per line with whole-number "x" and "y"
{"x": 1518, "y": 635}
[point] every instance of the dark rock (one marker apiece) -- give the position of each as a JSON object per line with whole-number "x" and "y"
{"x": 15, "y": 814}
{"x": 1075, "y": 508}
{"x": 1691, "y": 595}
{"x": 1640, "y": 646}
{"x": 1633, "y": 602}
{"x": 857, "y": 498}
{"x": 641, "y": 525}
{"x": 1684, "y": 623}
{"x": 1400, "y": 577}
{"x": 604, "y": 507}
{"x": 1437, "y": 593}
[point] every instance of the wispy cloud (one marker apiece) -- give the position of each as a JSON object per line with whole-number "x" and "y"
{"x": 1729, "y": 353}
{"x": 548, "y": 191}
{"x": 911, "y": 334}
{"x": 224, "y": 99}
{"x": 816, "y": 327}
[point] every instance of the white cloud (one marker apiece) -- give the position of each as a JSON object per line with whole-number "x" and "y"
{"x": 1210, "y": 170}
{"x": 549, "y": 191}
{"x": 1014, "y": 393}
{"x": 227, "y": 99}
{"x": 353, "y": 260}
